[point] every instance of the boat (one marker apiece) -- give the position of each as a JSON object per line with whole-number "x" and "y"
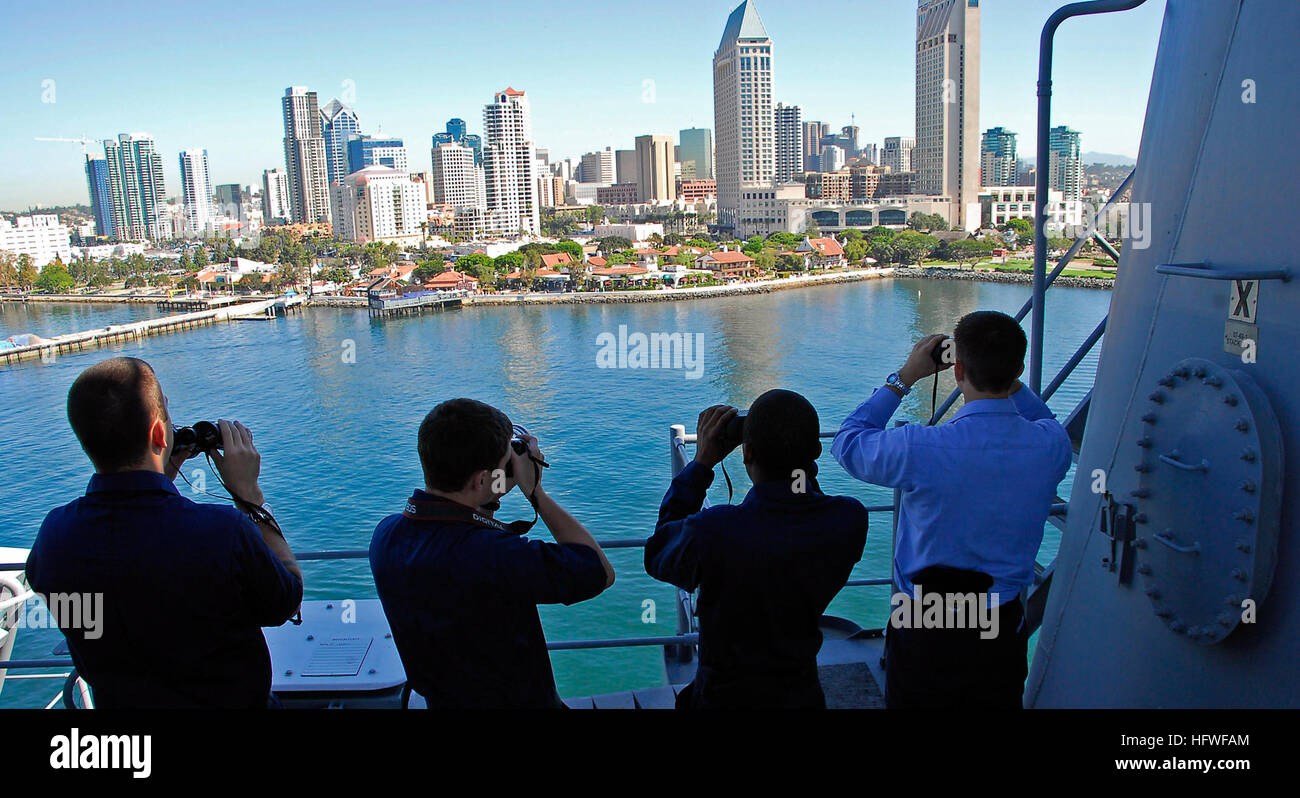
{"x": 1172, "y": 585}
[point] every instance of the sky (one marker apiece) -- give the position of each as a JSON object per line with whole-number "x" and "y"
{"x": 210, "y": 76}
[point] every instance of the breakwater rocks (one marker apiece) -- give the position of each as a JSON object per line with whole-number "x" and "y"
{"x": 990, "y": 276}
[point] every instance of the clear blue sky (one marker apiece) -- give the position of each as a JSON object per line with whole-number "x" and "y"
{"x": 210, "y": 75}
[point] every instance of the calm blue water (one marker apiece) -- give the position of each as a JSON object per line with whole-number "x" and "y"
{"x": 338, "y": 439}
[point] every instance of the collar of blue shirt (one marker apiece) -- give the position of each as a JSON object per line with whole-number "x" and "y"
{"x": 999, "y": 407}
{"x": 131, "y": 482}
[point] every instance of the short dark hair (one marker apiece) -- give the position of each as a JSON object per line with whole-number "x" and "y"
{"x": 111, "y": 407}
{"x": 781, "y": 431}
{"x": 459, "y": 438}
{"x": 991, "y": 346}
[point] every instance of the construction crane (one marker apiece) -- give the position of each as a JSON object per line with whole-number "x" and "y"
{"x": 83, "y": 141}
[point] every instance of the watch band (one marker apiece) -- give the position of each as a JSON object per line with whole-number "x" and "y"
{"x": 895, "y": 381}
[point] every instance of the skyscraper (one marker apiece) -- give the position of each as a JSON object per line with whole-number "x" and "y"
{"x": 1065, "y": 163}
{"x": 897, "y": 153}
{"x": 998, "y": 157}
{"x": 742, "y": 109}
{"x": 338, "y": 124}
{"x": 363, "y": 151}
{"x": 304, "y": 157}
{"x": 789, "y": 142}
{"x": 456, "y": 134}
{"x": 654, "y": 168}
{"x": 696, "y": 145}
{"x": 509, "y": 165}
{"x": 598, "y": 167}
{"x": 136, "y": 191}
{"x": 812, "y": 135}
{"x": 230, "y": 202}
{"x": 196, "y": 190}
{"x": 948, "y": 103}
{"x": 101, "y": 197}
{"x": 624, "y": 166}
{"x": 849, "y": 136}
{"x": 275, "y": 196}
{"x": 457, "y": 180}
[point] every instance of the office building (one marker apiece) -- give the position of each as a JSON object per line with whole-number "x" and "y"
{"x": 456, "y": 133}
{"x": 275, "y": 197}
{"x": 378, "y": 204}
{"x": 947, "y": 158}
{"x": 998, "y": 157}
{"x": 196, "y": 190}
{"x": 789, "y": 142}
{"x": 742, "y": 110}
{"x": 510, "y": 169}
{"x": 1066, "y": 163}
{"x": 136, "y": 191}
{"x": 695, "y": 145}
{"x": 598, "y": 167}
{"x": 654, "y": 163}
{"x": 457, "y": 179}
{"x": 338, "y": 124}
{"x": 305, "y": 157}
{"x": 363, "y": 151}
{"x": 101, "y": 197}
{"x": 897, "y": 153}
{"x": 41, "y": 238}
{"x": 813, "y": 133}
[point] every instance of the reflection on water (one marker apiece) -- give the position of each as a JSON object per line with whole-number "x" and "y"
{"x": 338, "y": 435}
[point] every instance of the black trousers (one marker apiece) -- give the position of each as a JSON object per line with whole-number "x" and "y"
{"x": 955, "y": 668}
{"x": 714, "y": 690}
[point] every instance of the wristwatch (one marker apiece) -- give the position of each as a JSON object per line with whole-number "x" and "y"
{"x": 894, "y": 381}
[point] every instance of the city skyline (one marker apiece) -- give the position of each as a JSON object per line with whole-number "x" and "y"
{"x": 580, "y": 104}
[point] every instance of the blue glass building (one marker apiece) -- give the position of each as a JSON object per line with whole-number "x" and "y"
{"x": 100, "y": 197}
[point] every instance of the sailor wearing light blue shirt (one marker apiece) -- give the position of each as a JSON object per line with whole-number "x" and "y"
{"x": 975, "y": 494}
{"x": 976, "y": 491}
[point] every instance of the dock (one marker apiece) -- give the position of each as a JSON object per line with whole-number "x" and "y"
{"x": 120, "y": 333}
{"x": 382, "y": 306}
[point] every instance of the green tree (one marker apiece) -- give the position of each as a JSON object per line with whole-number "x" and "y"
{"x": 927, "y": 221}
{"x": 475, "y": 265}
{"x": 595, "y": 215}
{"x": 428, "y": 269}
{"x": 8, "y": 269}
{"x": 790, "y": 263}
{"x": 27, "y": 272}
{"x": 765, "y": 261}
{"x": 969, "y": 250}
{"x": 338, "y": 275}
{"x": 1023, "y": 228}
{"x": 572, "y": 247}
{"x": 54, "y": 278}
{"x": 855, "y": 250}
{"x": 853, "y": 235}
{"x": 610, "y": 244}
{"x": 913, "y": 247}
{"x": 509, "y": 262}
{"x": 201, "y": 258}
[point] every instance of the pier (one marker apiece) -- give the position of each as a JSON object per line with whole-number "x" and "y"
{"x": 382, "y": 305}
{"x": 120, "y": 333}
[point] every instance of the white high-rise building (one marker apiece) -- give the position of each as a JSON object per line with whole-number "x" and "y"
{"x": 39, "y": 237}
{"x": 275, "y": 197}
{"x": 789, "y": 142}
{"x": 897, "y": 153}
{"x": 196, "y": 190}
{"x": 509, "y": 166}
{"x": 378, "y": 203}
{"x": 137, "y": 196}
{"x": 832, "y": 158}
{"x": 742, "y": 110}
{"x": 599, "y": 167}
{"x": 1065, "y": 163}
{"x": 947, "y": 157}
{"x": 457, "y": 180}
{"x": 304, "y": 157}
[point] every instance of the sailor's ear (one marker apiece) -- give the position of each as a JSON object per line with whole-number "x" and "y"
{"x": 158, "y": 434}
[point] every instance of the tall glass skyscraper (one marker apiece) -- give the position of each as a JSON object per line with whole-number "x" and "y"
{"x": 998, "y": 157}
{"x": 1065, "y": 163}
{"x": 366, "y": 151}
{"x": 456, "y": 135}
{"x": 136, "y": 192}
{"x": 101, "y": 198}
{"x": 338, "y": 124}
{"x": 697, "y": 145}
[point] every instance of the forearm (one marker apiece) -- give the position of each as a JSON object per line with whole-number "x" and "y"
{"x": 567, "y": 529}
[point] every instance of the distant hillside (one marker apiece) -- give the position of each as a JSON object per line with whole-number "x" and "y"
{"x": 1097, "y": 157}
{"x": 1108, "y": 157}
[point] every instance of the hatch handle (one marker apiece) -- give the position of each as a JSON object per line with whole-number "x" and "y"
{"x": 1166, "y": 538}
{"x": 1204, "y": 272}
{"x": 1172, "y": 459}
